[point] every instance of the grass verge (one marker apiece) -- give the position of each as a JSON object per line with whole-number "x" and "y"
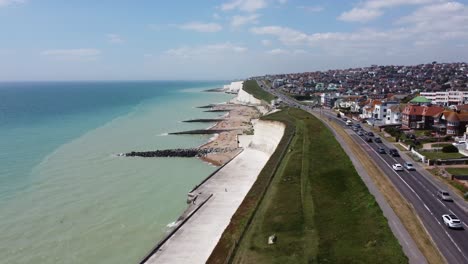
{"x": 251, "y": 87}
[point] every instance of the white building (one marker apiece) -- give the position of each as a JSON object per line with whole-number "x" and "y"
{"x": 381, "y": 109}
{"x": 393, "y": 115}
{"x": 447, "y": 98}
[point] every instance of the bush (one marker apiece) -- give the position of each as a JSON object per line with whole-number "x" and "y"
{"x": 466, "y": 195}
{"x": 450, "y": 149}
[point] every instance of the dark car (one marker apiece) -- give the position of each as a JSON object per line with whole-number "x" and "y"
{"x": 377, "y": 140}
{"x": 381, "y": 150}
{"x": 368, "y": 139}
{"x": 370, "y": 134}
{"x": 394, "y": 152}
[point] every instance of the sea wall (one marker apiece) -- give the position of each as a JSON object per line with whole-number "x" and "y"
{"x": 267, "y": 135}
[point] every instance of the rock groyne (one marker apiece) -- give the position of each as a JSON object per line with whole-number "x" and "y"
{"x": 201, "y": 132}
{"x": 204, "y": 120}
{"x": 183, "y": 153}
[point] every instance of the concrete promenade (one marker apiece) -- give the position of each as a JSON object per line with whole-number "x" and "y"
{"x": 196, "y": 239}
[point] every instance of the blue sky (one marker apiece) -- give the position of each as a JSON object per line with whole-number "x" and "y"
{"x": 208, "y": 39}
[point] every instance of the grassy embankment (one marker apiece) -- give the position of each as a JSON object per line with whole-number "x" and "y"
{"x": 252, "y": 88}
{"x": 317, "y": 205}
{"x": 433, "y": 155}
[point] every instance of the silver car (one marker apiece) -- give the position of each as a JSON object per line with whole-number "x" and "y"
{"x": 444, "y": 195}
{"x": 409, "y": 166}
{"x": 452, "y": 221}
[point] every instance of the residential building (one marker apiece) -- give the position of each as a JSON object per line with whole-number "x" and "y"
{"x": 419, "y": 116}
{"x": 447, "y": 98}
{"x": 393, "y": 115}
{"x": 451, "y": 123}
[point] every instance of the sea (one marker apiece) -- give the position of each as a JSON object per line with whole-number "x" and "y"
{"x": 65, "y": 194}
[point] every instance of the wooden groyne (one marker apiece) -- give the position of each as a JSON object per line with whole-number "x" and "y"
{"x": 207, "y": 106}
{"x": 201, "y": 132}
{"x": 217, "y": 110}
{"x": 204, "y": 120}
{"x": 183, "y": 153}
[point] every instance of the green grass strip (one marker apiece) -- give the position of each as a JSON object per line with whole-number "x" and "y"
{"x": 252, "y": 88}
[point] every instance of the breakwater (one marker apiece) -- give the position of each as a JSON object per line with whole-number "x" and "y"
{"x": 217, "y": 110}
{"x": 201, "y": 132}
{"x": 204, "y": 120}
{"x": 184, "y": 153}
{"x": 207, "y": 106}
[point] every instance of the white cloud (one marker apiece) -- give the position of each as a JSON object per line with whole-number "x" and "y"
{"x": 371, "y": 9}
{"x": 277, "y": 52}
{"x": 244, "y": 5}
{"x": 114, "y": 38}
{"x": 11, "y": 2}
{"x": 312, "y": 9}
{"x": 266, "y": 42}
{"x": 360, "y": 14}
{"x": 286, "y": 35}
{"x": 202, "y": 27}
{"x": 196, "y": 51}
{"x": 238, "y": 21}
{"x": 72, "y": 54}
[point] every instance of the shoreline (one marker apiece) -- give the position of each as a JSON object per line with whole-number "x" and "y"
{"x": 219, "y": 195}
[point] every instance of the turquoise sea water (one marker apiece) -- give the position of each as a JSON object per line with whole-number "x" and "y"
{"x": 65, "y": 197}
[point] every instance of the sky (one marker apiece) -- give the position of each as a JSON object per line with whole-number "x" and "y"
{"x": 221, "y": 40}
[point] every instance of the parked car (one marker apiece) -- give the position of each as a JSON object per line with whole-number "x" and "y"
{"x": 394, "y": 152}
{"x": 381, "y": 150}
{"x": 409, "y": 166}
{"x": 444, "y": 195}
{"x": 370, "y": 134}
{"x": 452, "y": 221}
{"x": 377, "y": 140}
{"x": 397, "y": 167}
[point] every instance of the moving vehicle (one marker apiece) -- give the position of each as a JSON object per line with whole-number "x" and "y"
{"x": 397, "y": 167}
{"x": 370, "y": 134}
{"x": 360, "y": 133}
{"x": 409, "y": 166}
{"x": 368, "y": 139}
{"x": 444, "y": 195}
{"x": 452, "y": 221}
{"x": 377, "y": 140}
{"x": 349, "y": 123}
{"x": 381, "y": 150}
{"x": 394, "y": 152}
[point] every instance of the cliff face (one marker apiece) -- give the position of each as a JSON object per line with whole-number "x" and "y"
{"x": 246, "y": 98}
{"x": 267, "y": 135}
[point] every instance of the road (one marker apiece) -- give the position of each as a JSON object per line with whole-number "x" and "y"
{"x": 418, "y": 187}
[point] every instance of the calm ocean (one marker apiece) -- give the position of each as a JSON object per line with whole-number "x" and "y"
{"x": 65, "y": 197}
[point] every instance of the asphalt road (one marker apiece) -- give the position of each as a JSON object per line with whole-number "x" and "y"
{"x": 418, "y": 188}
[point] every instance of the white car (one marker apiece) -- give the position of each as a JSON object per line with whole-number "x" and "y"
{"x": 397, "y": 167}
{"x": 452, "y": 221}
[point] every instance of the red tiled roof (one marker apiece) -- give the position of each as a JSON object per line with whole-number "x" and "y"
{"x": 432, "y": 110}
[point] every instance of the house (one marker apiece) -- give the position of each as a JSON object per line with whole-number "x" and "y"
{"x": 380, "y": 109}
{"x": 451, "y": 123}
{"x": 393, "y": 115}
{"x": 419, "y": 116}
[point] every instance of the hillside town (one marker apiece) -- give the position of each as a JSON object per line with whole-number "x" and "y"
{"x": 431, "y": 96}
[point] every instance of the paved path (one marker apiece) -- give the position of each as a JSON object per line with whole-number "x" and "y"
{"x": 195, "y": 240}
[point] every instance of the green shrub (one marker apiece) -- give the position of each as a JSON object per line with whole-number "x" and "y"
{"x": 450, "y": 149}
{"x": 466, "y": 195}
